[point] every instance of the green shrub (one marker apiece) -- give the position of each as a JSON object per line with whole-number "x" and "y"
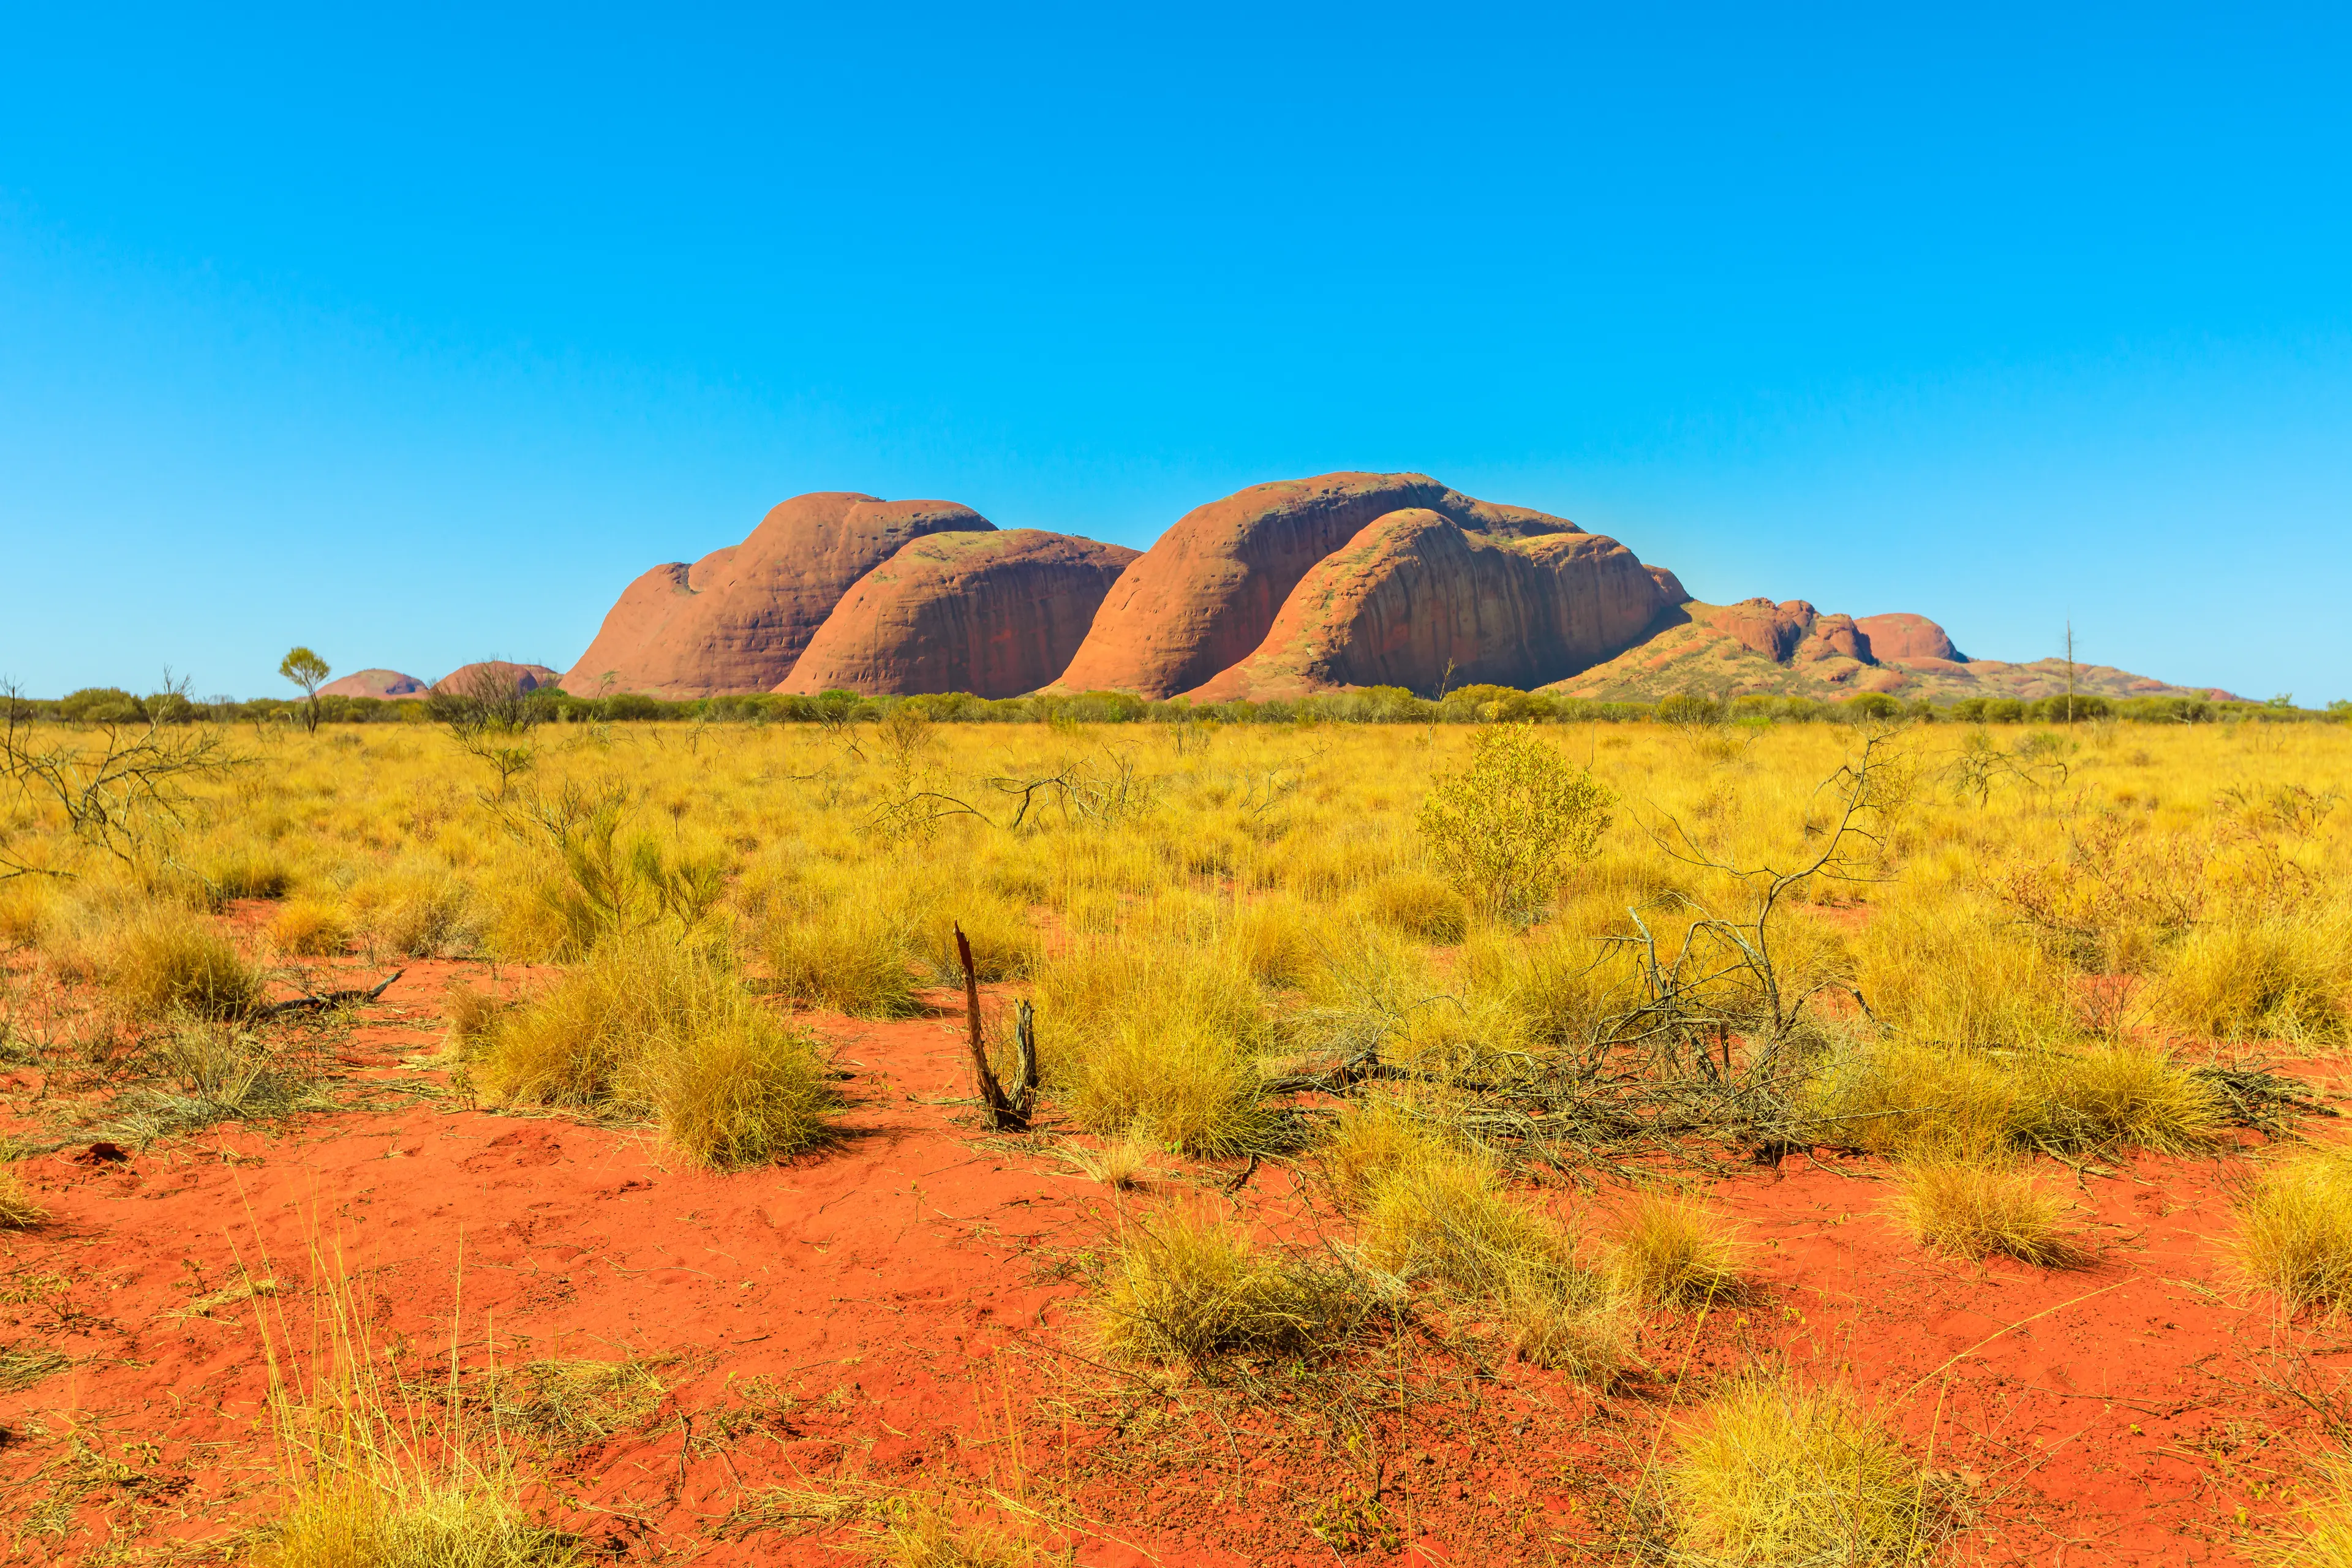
{"x": 1504, "y": 828}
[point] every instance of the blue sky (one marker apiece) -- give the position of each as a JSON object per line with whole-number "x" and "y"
{"x": 414, "y": 336}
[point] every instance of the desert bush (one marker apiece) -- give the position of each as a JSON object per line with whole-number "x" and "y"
{"x": 1673, "y": 1252}
{"x": 308, "y": 928}
{"x": 164, "y": 960}
{"x": 1426, "y": 908}
{"x": 1776, "y": 1473}
{"x": 2275, "y": 979}
{"x": 355, "y": 1521}
{"x": 1372, "y": 1140}
{"x": 1121, "y": 1164}
{"x": 25, "y": 906}
{"x": 2128, "y": 1096}
{"x": 249, "y": 871}
{"x": 1004, "y": 945}
{"x": 1975, "y": 1207}
{"x": 414, "y": 910}
{"x": 852, "y": 957}
{"x": 1186, "y": 1287}
{"x": 1893, "y": 1097}
{"x": 915, "y": 1533}
{"x": 1939, "y": 966}
{"x": 646, "y": 1025}
{"x": 2294, "y": 1234}
{"x": 1440, "y": 1214}
{"x": 2319, "y": 1534}
{"x": 1162, "y": 1038}
{"x": 1503, "y": 828}
{"x": 19, "y": 1210}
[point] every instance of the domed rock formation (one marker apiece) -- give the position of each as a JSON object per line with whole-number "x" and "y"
{"x": 739, "y": 619}
{"x": 377, "y": 683}
{"x": 994, "y": 614}
{"x": 1904, "y": 635}
{"x": 1416, "y": 594}
{"x": 1204, "y": 596}
{"x": 493, "y": 675}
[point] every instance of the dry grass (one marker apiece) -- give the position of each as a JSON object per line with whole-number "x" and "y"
{"x": 18, "y": 1208}
{"x": 1674, "y": 1252}
{"x": 2294, "y": 1234}
{"x": 355, "y": 1521}
{"x": 308, "y": 928}
{"x": 1443, "y": 1216}
{"x": 165, "y": 960}
{"x": 369, "y": 1483}
{"x": 1896, "y": 1098}
{"x": 2282, "y": 977}
{"x": 852, "y": 958}
{"x": 1773, "y": 1473}
{"x": 2320, "y": 1536}
{"x": 917, "y": 1533}
{"x": 646, "y": 1025}
{"x": 1974, "y": 1208}
{"x": 1373, "y": 1139}
{"x": 1186, "y": 1287}
{"x": 1122, "y": 1165}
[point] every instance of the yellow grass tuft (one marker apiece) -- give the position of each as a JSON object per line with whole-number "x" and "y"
{"x": 1422, "y": 906}
{"x": 1673, "y": 1252}
{"x": 18, "y": 1208}
{"x": 355, "y": 1521}
{"x": 648, "y": 1027}
{"x": 2295, "y": 1232}
{"x": 1973, "y": 1208}
{"x": 1122, "y": 1164}
{"x": 308, "y": 928}
{"x": 852, "y": 958}
{"x": 164, "y": 960}
{"x": 1186, "y": 1287}
{"x": 1373, "y": 1140}
{"x": 1775, "y": 1473}
{"x": 2275, "y": 978}
{"x": 2320, "y": 1536}
{"x": 919, "y": 1534}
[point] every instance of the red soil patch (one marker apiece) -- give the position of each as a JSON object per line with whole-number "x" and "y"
{"x": 908, "y": 1309}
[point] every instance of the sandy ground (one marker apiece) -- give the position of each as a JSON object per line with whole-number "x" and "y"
{"x": 908, "y": 1313}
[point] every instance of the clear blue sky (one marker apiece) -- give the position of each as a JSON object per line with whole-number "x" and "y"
{"x": 414, "y": 337}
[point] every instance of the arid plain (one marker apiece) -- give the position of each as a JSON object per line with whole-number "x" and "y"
{"x": 1698, "y": 1138}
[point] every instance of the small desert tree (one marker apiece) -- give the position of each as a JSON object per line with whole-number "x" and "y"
{"x": 1506, "y": 828}
{"x": 306, "y": 670}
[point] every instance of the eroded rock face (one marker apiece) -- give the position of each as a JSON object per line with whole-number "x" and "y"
{"x": 1908, "y": 636}
{"x": 1762, "y": 626}
{"x": 1415, "y": 591}
{"x": 995, "y": 614}
{"x": 739, "y": 619}
{"x": 1833, "y": 637}
{"x": 1207, "y": 594}
{"x": 378, "y": 683}
{"x": 494, "y": 675}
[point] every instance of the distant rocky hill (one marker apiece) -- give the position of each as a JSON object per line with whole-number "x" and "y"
{"x": 1299, "y": 585}
{"x": 1792, "y": 649}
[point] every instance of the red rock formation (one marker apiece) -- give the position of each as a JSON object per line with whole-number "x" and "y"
{"x": 1414, "y": 592}
{"x": 1205, "y": 596}
{"x": 739, "y": 619}
{"x": 1908, "y": 636}
{"x": 1762, "y": 626}
{"x": 493, "y": 675}
{"x": 1669, "y": 584}
{"x": 1833, "y": 637}
{"x": 378, "y": 683}
{"x": 995, "y": 614}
